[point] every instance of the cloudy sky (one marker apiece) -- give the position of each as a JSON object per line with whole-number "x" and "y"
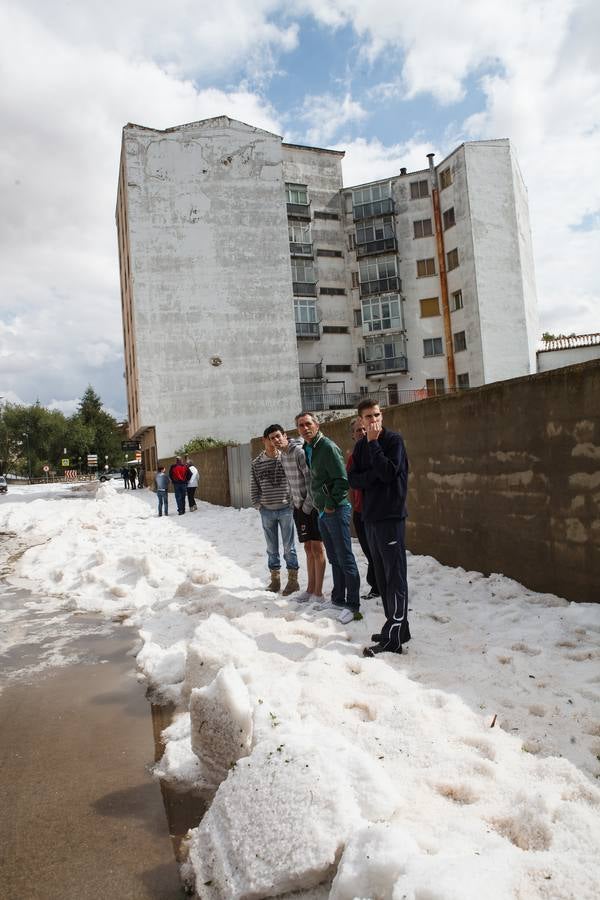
{"x": 386, "y": 80}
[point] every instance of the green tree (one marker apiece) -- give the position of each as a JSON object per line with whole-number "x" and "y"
{"x": 93, "y": 430}
{"x": 197, "y": 444}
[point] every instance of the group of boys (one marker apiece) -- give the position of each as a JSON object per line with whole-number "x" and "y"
{"x": 184, "y": 477}
{"x": 306, "y": 481}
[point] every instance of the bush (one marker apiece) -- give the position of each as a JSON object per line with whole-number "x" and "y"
{"x": 197, "y": 444}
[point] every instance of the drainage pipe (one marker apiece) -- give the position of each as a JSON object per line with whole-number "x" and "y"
{"x": 441, "y": 255}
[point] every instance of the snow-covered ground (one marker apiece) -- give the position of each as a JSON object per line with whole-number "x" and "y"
{"x": 468, "y": 767}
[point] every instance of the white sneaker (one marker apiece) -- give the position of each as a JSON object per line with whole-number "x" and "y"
{"x": 346, "y": 616}
{"x": 304, "y": 597}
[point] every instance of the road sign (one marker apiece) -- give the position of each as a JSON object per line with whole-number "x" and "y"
{"x": 130, "y": 445}
{"x": 65, "y": 462}
{"x": 138, "y": 455}
{"x": 92, "y": 459}
{"x": 46, "y": 468}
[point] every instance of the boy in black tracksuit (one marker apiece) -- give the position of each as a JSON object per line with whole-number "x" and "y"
{"x": 380, "y": 469}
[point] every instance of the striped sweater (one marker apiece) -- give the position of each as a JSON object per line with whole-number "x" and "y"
{"x": 269, "y": 487}
{"x": 298, "y": 475}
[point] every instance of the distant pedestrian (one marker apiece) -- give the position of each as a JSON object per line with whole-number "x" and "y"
{"x": 132, "y": 477}
{"x": 356, "y": 498}
{"x": 192, "y": 485}
{"x": 141, "y": 478}
{"x": 380, "y": 469}
{"x": 161, "y": 480}
{"x": 180, "y": 474}
{"x": 125, "y": 474}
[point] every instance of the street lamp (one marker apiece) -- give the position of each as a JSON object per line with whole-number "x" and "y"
{"x": 26, "y": 435}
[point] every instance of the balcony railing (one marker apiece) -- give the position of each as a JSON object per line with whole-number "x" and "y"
{"x": 311, "y": 371}
{"x": 386, "y": 397}
{"x": 375, "y": 208}
{"x": 380, "y": 286}
{"x": 299, "y": 210}
{"x": 307, "y": 331}
{"x": 382, "y": 326}
{"x": 389, "y": 364}
{"x": 304, "y": 289}
{"x": 381, "y": 246}
{"x": 301, "y": 249}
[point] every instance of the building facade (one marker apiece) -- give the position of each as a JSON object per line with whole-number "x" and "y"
{"x": 559, "y": 352}
{"x": 253, "y": 282}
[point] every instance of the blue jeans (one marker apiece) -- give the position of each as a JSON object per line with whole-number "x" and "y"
{"x": 335, "y": 531}
{"x": 163, "y": 500}
{"x": 272, "y": 519}
{"x": 180, "y": 491}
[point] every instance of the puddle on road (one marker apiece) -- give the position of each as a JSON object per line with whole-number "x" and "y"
{"x": 183, "y": 809}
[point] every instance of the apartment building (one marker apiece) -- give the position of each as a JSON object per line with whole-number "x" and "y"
{"x": 253, "y": 282}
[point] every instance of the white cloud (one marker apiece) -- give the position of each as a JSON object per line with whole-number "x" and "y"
{"x": 372, "y": 160}
{"x": 325, "y": 114}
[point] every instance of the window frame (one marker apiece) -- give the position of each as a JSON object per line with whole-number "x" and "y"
{"x": 416, "y": 189}
{"x": 425, "y": 233}
{"x": 435, "y": 342}
{"x": 459, "y": 341}
{"x": 424, "y": 263}
{"x": 423, "y": 300}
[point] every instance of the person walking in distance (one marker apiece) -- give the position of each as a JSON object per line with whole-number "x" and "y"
{"x": 180, "y": 474}
{"x": 356, "y": 498}
{"x": 192, "y": 485}
{"x": 380, "y": 469}
{"x": 132, "y": 477}
{"x": 125, "y": 474}
{"x": 329, "y": 487}
{"x": 306, "y": 517}
{"x": 270, "y": 494}
{"x": 161, "y": 480}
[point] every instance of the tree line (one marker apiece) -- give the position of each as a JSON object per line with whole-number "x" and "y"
{"x": 33, "y": 436}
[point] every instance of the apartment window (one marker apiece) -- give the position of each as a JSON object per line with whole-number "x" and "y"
{"x": 361, "y": 355}
{"x": 325, "y": 215}
{"x": 430, "y": 306}
{"x": 445, "y": 178}
{"x": 371, "y": 194}
{"x": 363, "y": 390}
{"x": 336, "y": 368}
{"x": 335, "y": 329}
{"x": 299, "y": 233}
{"x": 351, "y": 242}
{"x": 435, "y": 386}
{"x": 393, "y": 397}
{"x": 329, "y": 252}
{"x": 355, "y": 279}
{"x": 452, "y": 258}
{"x": 449, "y": 218}
{"x": 463, "y": 380}
{"x": 385, "y": 355}
{"x": 374, "y": 230}
{"x": 378, "y": 274}
{"x": 419, "y": 189}
{"x": 422, "y": 228}
{"x": 380, "y": 313}
{"x": 297, "y": 193}
{"x": 303, "y": 271}
{"x": 305, "y": 310}
{"x": 457, "y": 300}
{"x": 332, "y": 291}
{"x": 460, "y": 341}
{"x": 357, "y": 317}
{"x": 433, "y": 347}
{"x": 425, "y": 267}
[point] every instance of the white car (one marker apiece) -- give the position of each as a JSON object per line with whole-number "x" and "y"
{"x": 3, "y": 485}
{"x": 111, "y": 475}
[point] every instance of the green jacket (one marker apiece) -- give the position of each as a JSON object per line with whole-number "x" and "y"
{"x": 328, "y": 478}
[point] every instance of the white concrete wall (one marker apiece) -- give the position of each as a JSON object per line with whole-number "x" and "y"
{"x": 211, "y": 278}
{"x": 558, "y": 359}
{"x": 501, "y": 263}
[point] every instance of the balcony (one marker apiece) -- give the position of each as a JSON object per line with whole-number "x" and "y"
{"x": 304, "y": 289}
{"x": 375, "y": 208}
{"x": 380, "y": 286}
{"x": 301, "y": 249}
{"x": 310, "y": 371}
{"x": 381, "y": 246}
{"x": 299, "y": 210}
{"x": 386, "y": 366}
{"x": 307, "y": 331}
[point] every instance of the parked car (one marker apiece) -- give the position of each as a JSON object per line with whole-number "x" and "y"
{"x": 111, "y": 475}
{"x": 3, "y": 485}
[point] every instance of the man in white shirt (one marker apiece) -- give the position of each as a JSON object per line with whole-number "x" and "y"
{"x": 192, "y": 485}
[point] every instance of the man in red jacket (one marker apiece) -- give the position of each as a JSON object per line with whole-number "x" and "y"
{"x": 180, "y": 473}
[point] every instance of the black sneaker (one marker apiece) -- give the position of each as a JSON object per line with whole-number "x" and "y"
{"x": 371, "y": 595}
{"x": 376, "y": 638}
{"x": 377, "y": 648}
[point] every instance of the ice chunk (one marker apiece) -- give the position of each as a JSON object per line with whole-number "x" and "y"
{"x": 373, "y": 860}
{"x": 221, "y": 722}
{"x": 215, "y": 643}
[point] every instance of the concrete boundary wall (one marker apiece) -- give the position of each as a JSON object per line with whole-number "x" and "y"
{"x": 504, "y": 478}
